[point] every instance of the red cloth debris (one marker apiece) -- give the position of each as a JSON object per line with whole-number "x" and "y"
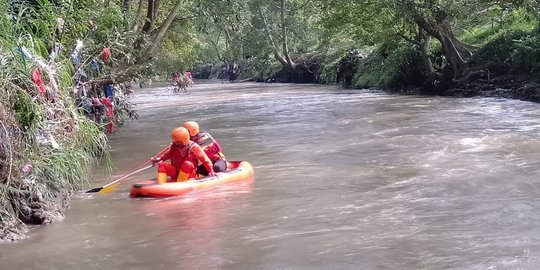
{"x": 106, "y": 54}
{"x": 36, "y": 78}
{"x": 110, "y": 113}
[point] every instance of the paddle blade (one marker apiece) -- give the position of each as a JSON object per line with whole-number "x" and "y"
{"x": 94, "y": 190}
{"x": 107, "y": 189}
{"x": 104, "y": 189}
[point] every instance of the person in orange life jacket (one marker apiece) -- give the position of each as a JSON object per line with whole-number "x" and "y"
{"x": 210, "y": 147}
{"x": 184, "y": 155}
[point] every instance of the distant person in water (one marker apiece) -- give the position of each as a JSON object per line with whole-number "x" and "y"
{"x": 188, "y": 75}
{"x": 184, "y": 155}
{"x": 176, "y": 79}
{"x": 210, "y": 146}
{"x": 188, "y": 78}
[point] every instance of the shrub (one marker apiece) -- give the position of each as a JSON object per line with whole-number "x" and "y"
{"x": 516, "y": 52}
{"x": 391, "y": 66}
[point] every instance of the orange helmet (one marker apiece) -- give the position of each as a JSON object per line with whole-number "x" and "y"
{"x": 192, "y": 127}
{"x": 180, "y": 135}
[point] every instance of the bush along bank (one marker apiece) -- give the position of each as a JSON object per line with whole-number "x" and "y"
{"x": 505, "y": 63}
{"x": 507, "y": 66}
{"x": 47, "y": 144}
{"x": 63, "y": 84}
{"x": 317, "y": 66}
{"x": 46, "y": 152}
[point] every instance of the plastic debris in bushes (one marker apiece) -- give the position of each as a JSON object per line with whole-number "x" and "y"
{"x": 26, "y": 168}
{"x": 95, "y": 65}
{"x": 26, "y": 55}
{"x": 47, "y": 138}
{"x": 58, "y": 31}
{"x": 76, "y": 55}
{"x": 76, "y": 58}
{"x": 81, "y": 76}
{"x": 108, "y": 90}
{"x": 59, "y": 28}
{"x": 91, "y": 25}
{"x": 79, "y": 46}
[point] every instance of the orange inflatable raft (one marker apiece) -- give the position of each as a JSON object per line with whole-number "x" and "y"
{"x": 236, "y": 171}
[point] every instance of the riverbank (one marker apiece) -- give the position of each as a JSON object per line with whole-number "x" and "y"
{"x": 46, "y": 150}
{"x": 504, "y": 63}
{"x": 62, "y": 86}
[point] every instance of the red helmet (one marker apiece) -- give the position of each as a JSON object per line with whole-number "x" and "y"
{"x": 192, "y": 127}
{"x": 180, "y": 135}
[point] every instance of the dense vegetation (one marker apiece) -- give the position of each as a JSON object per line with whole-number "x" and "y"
{"x": 55, "y": 51}
{"x": 432, "y": 46}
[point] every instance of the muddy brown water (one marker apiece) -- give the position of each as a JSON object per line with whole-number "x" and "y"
{"x": 345, "y": 179}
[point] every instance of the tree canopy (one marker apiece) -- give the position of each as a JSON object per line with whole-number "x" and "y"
{"x": 181, "y": 34}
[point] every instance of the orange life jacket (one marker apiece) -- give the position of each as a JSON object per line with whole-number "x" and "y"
{"x": 209, "y": 145}
{"x": 179, "y": 154}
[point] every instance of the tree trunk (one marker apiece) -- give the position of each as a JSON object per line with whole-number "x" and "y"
{"x": 228, "y": 44}
{"x": 286, "y": 54}
{"x": 151, "y": 14}
{"x": 126, "y": 6}
{"x": 138, "y": 19}
{"x": 160, "y": 33}
{"x": 216, "y": 48}
{"x": 278, "y": 57}
{"x": 126, "y": 10}
{"x": 455, "y": 52}
{"x": 156, "y": 8}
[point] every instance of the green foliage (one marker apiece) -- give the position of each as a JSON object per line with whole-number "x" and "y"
{"x": 124, "y": 110}
{"x": 512, "y": 52}
{"x": 391, "y": 65}
{"x": 478, "y": 36}
{"x": 332, "y": 56}
{"x": 375, "y": 72}
{"x": 328, "y": 73}
{"x": 177, "y": 52}
{"x": 367, "y": 22}
{"x": 109, "y": 21}
{"x": 64, "y": 78}
{"x": 525, "y": 55}
{"x": 27, "y": 112}
{"x": 90, "y": 138}
{"x": 69, "y": 166}
{"x": 246, "y": 31}
{"x": 481, "y": 34}
{"x": 256, "y": 68}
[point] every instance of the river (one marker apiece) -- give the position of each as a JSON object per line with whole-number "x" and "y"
{"x": 344, "y": 179}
